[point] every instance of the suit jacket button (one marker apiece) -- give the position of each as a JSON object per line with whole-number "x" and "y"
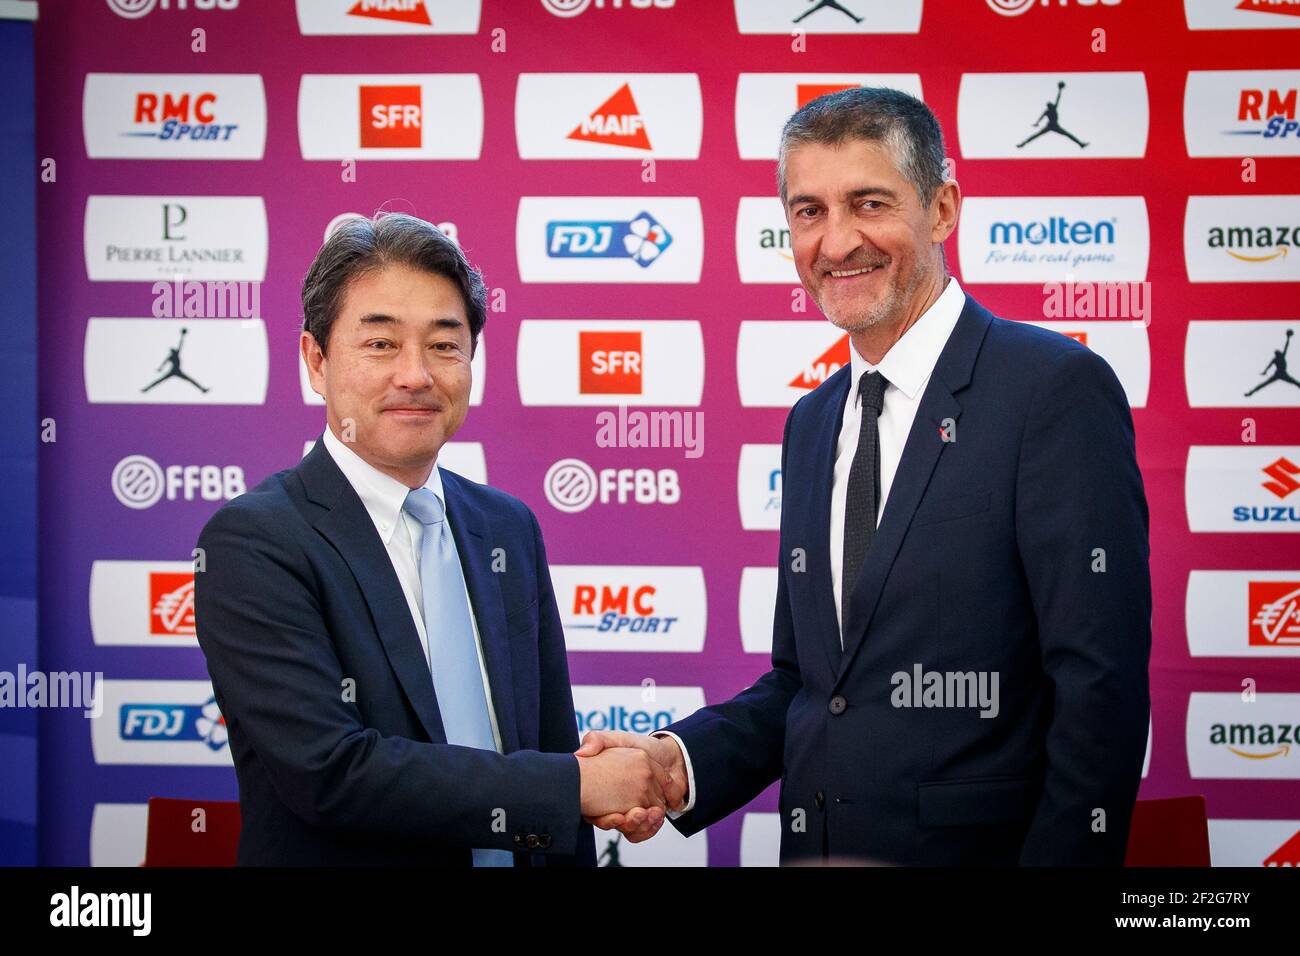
{"x": 819, "y": 798}
{"x": 532, "y": 841}
{"x": 544, "y": 841}
{"x": 838, "y": 705}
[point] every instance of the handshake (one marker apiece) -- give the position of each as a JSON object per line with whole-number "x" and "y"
{"x": 630, "y": 782}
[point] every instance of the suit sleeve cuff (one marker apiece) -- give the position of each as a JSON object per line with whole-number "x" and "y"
{"x": 690, "y": 775}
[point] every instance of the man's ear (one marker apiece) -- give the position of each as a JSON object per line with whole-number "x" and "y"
{"x": 314, "y": 359}
{"x": 947, "y": 207}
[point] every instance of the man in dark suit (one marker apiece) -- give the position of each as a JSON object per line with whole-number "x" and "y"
{"x": 962, "y": 628}
{"x": 382, "y": 635}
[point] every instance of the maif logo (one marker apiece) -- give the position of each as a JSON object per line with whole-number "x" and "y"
{"x": 608, "y": 115}
{"x": 1242, "y": 15}
{"x": 387, "y": 17}
{"x": 393, "y": 11}
{"x": 1255, "y": 842}
{"x": 779, "y": 362}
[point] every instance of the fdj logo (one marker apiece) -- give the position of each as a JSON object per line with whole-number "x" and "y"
{"x": 179, "y": 116}
{"x": 139, "y": 482}
{"x": 616, "y": 717}
{"x": 642, "y": 239}
{"x": 153, "y": 723}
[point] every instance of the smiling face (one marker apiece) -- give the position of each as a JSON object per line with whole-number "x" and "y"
{"x": 398, "y": 367}
{"x": 865, "y": 246}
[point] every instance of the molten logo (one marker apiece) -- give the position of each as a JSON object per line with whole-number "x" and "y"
{"x": 1274, "y": 609}
{"x": 171, "y": 600}
{"x": 390, "y": 117}
{"x": 824, "y": 366}
{"x": 609, "y": 363}
{"x": 1282, "y": 472}
{"x": 399, "y": 11}
{"x": 617, "y": 122}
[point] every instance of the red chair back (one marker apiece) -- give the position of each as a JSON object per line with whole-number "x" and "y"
{"x": 1171, "y": 832}
{"x": 179, "y": 835}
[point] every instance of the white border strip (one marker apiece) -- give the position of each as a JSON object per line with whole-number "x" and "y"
{"x": 18, "y": 10}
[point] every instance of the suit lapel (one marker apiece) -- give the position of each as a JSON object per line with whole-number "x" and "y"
{"x": 469, "y": 526}
{"x": 921, "y": 453}
{"x": 347, "y": 526}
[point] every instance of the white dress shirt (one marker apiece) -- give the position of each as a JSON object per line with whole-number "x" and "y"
{"x": 383, "y": 497}
{"x": 907, "y": 367}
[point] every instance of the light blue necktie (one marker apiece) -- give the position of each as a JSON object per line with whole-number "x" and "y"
{"x": 453, "y": 656}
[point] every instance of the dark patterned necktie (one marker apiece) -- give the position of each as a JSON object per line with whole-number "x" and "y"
{"x": 863, "y": 500}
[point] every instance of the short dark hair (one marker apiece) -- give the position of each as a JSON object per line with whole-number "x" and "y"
{"x": 359, "y": 245}
{"x": 877, "y": 114}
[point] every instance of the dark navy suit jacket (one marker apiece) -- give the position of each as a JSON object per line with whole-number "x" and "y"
{"x": 334, "y": 725}
{"x": 988, "y": 558}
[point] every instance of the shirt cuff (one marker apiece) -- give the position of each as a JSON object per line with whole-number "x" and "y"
{"x": 690, "y": 775}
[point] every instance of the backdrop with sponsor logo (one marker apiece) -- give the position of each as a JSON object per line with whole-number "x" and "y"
{"x": 1129, "y": 170}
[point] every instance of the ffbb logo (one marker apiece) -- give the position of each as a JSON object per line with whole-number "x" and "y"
{"x": 140, "y": 482}
{"x": 135, "y": 9}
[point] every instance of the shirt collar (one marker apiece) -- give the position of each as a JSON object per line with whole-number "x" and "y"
{"x": 382, "y": 495}
{"x": 908, "y": 364}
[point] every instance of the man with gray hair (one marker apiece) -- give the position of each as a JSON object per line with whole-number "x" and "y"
{"x": 963, "y": 509}
{"x": 382, "y": 634}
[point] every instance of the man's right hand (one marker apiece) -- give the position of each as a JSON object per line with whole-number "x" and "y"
{"x": 616, "y": 778}
{"x": 638, "y": 822}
